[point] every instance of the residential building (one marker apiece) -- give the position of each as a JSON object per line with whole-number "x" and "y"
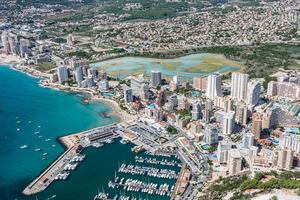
{"x": 256, "y": 125}
{"x": 248, "y": 140}
{"x": 213, "y": 87}
{"x": 234, "y": 162}
{"x": 290, "y": 141}
{"x": 284, "y": 89}
{"x": 128, "y": 96}
{"x": 211, "y": 134}
{"x": 200, "y": 83}
{"x": 62, "y": 73}
{"x": 223, "y": 151}
{"x": 78, "y": 73}
{"x": 228, "y": 123}
{"x": 254, "y": 89}
{"x": 155, "y": 78}
{"x": 196, "y": 112}
{"x": 239, "y": 84}
{"x": 241, "y": 113}
{"x": 285, "y": 159}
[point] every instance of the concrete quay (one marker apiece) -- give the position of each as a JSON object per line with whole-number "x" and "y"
{"x": 47, "y": 177}
{"x": 73, "y": 143}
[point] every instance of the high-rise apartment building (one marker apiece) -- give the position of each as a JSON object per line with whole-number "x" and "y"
{"x": 213, "y": 87}
{"x": 239, "y": 85}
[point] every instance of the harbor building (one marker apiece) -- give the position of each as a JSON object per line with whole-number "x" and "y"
{"x": 239, "y": 84}
{"x": 213, "y": 87}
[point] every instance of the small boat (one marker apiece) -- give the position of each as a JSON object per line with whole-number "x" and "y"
{"x": 53, "y": 196}
{"x": 29, "y": 122}
{"x": 38, "y": 149}
{"x": 37, "y": 132}
{"x": 45, "y": 154}
{"x": 39, "y": 126}
{"x": 44, "y": 158}
{"x": 40, "y": 136}
{"x": 18, "y": 129}
{"x": 24, "y": 146}
{"x": 47, "y": 140}
{"x": 124, "y": 141}
{"x": 18, "y": 122}
{"x": 53, "y": 145}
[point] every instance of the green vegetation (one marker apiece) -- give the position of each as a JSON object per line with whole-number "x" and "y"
{"x": 213, "y": 148}
{"x": 80, "y": 54}
{"x": 45, "y": 67}
{"x": 267, "y": 80}
{"x": 261, "y": 60}
{"x": 151, "y": 9}
{"x": 183, "y": 112}
{"x": 262, "y": 181}
{"x": 172, "y": 130}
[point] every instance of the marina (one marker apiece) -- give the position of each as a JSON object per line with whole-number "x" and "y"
{"x": 149, "y": 171}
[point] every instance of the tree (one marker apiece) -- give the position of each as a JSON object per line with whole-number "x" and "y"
{"x": 274, "y": 198}
{"x": 172, "y": 130}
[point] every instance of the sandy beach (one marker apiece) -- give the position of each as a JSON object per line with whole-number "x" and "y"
{"x": 116, "y": 110}
{"x": 9, "y": 59}
{"x": 17, "y": 64}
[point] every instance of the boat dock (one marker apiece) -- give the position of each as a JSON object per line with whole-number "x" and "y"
{"x": 68, "y": 161}
{"x": 48, "y": 176}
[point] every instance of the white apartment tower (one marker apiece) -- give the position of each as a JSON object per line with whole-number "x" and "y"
{"x": 254, "y": 89}
{"x": 239, "y": 86}
{"x": 228, "y": 123}
{"x": 62, "y": 74}
{"x": 213, "y": 87}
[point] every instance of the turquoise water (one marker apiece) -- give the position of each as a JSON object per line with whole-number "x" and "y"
{"x": 125, "y": 66}
{"x": 92, "y": 175}
{"x": 57, "y": 113}
{"x": 54, "y": 113}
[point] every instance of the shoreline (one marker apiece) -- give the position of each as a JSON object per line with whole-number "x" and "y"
{"x": 14, "y": 63}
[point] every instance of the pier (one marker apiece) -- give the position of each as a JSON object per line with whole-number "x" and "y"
{"x": 68, "y": 161}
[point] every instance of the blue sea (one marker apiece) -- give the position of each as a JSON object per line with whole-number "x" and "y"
{"x": 26, "y": 106}
{"x": 31, "y": 109}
